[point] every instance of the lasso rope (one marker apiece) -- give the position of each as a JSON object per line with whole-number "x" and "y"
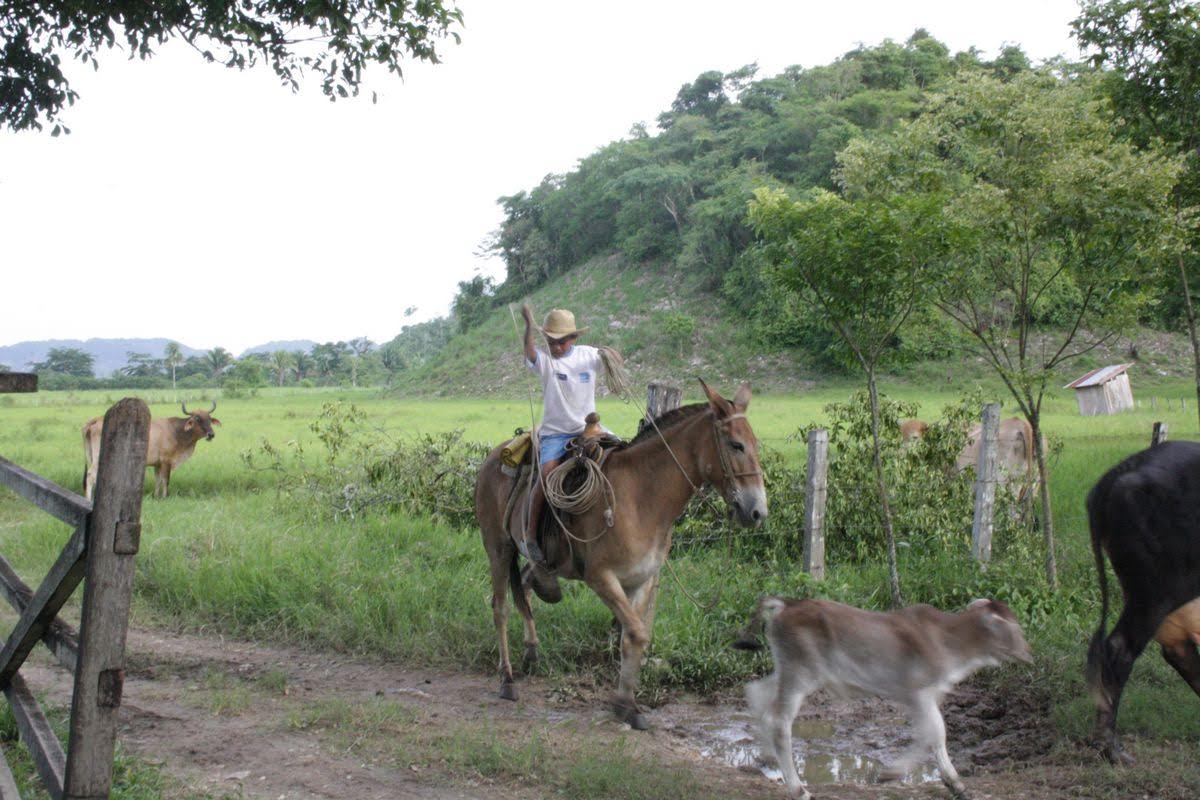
{"x": 594, "y": 486}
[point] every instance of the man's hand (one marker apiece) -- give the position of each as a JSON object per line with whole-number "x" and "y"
{"x": 527, "y": 313}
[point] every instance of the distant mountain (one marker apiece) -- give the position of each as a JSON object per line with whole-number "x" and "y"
{"x": 303, "y": 345}
{"x": 109, "y": 355}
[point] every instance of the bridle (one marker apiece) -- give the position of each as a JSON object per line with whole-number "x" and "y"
{"x": 727, "y": 470}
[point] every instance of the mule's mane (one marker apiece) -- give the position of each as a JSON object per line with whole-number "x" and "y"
{"x": 668, "y": 420}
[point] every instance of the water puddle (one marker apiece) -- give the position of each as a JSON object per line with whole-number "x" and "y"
{"x": 826, "y": 750}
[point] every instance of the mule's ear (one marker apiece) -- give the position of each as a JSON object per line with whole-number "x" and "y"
{"x": 741, "y": 400}
{"x": 720, "y": 406}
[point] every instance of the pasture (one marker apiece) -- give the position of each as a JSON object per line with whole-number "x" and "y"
{"x": 229, "y": 553}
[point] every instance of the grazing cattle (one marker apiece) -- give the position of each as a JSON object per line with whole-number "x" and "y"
{"x": 1016, "y": 461}
{"x": 913, "y": 657}
{"x": 1145, "y": 513}
{"x": 172, "y": 442}
{"x": 911, "y": 430}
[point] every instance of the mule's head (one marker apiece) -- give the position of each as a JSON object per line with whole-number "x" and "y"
{"x": 199, "y": 424}
{"x": 734, "y": 469}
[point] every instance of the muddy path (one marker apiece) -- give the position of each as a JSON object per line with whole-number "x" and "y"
{"x": 234, "y": 719}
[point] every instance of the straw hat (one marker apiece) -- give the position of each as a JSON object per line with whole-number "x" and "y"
{"x": 560, "y": 324}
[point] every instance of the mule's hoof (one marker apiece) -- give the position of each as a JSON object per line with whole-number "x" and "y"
{"x": 530, "y": 659}
{"x": 630, "y": 714}
{"x": 1118, "y": 756}
{"x": 508, "y": 691}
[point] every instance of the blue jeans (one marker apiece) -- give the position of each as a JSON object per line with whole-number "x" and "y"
{"x": 553, "y": 446}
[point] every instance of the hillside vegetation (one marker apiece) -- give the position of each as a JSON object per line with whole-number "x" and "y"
{"x": 649, "y": 241}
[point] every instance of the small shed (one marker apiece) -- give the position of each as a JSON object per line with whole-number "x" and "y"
{"x": 1103, "y": 391}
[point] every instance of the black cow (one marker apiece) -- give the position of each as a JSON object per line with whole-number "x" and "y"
{"x": 1145, "y": 513}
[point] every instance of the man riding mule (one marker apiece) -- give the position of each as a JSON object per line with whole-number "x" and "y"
{"x": 568, "y": 372}
{"x": 619, "y": 551}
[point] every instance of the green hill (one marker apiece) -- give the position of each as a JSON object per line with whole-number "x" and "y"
{"x": 668, "y": 327}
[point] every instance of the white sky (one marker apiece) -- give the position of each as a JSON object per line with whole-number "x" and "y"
{"x": 217, "y": 208}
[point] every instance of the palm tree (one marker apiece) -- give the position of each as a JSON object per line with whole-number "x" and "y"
{"x": 303, "y": 364}
{"x": 172, "y": 358}
{"x": 282, "y": 362}
{"x": 217, "y": 360}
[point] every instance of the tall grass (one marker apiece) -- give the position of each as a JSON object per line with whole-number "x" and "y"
{"x": 226, "y": 552}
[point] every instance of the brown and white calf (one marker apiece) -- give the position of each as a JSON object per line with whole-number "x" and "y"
{"x": 912, "y": 657}
{"x": 172, "y": 442}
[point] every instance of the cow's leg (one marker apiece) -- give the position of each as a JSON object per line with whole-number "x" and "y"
{"x": 502, "y": 564}
{"x": 790, "y": 691}
{"x": 1183, "y": 656}
{"x": 1122, "y": 647}
{"x": 932, "y": 728}
{"x": 162, "y": 477}
{"x": 759, "y": 695}
{"x": 634, "y": 639}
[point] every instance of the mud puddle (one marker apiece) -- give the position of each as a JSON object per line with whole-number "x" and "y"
{"x": 850, "y": 742}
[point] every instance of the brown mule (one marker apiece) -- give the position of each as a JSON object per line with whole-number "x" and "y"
{"x": 709, "y": 443}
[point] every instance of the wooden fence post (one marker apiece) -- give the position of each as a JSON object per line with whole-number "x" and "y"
{"x": 815, "y": 495}
{"x": 1158, "y": 433}
{"x": 660, "y": 398}
{"x": 113, "y": 535}
{"x": 985, "y": 485}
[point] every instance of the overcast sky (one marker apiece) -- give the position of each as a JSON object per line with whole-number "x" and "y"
{"x": 217, "y": 208}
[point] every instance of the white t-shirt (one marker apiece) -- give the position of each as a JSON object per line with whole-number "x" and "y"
{"x": 568, "y": 387}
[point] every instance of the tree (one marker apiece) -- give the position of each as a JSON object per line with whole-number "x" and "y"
{"x": 217, "y": 360}
{"x": 65, "y": 361}
{"x": 865, "y": 263}
{"x": 1049, "y": 210}
{"x": 1153, "y": 45}
{"x": 303, "y": 364}
{"x": 282, "y": 362}
{"x": 172, "y": 359}
{"x": 141, "y": 365}
{"x": 360, "y": 347}
{"x": 334, "y": 41}
{"x": 473, "y": 301}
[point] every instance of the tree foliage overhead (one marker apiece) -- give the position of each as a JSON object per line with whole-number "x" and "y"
{"x": 677, "y": 197}
{"x": 333, "y": 41}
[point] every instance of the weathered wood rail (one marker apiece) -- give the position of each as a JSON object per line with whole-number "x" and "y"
{"x": 100, "y": 554}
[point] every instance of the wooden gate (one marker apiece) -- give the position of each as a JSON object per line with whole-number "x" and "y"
{"x": 101, "y": 549}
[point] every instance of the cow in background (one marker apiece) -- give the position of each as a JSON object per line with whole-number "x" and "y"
{"x": 912, "y": 656}
{"x": 911, "y": 430}
{"x": 1016, "y": 461}
{"x": 1145, "y": 514}
{"x": 172, "y": 442}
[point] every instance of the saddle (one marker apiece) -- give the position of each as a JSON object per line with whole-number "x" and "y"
{"x": 594, "y": 443}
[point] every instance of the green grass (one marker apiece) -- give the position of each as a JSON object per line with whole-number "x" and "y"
{"x": 223, "y": 554}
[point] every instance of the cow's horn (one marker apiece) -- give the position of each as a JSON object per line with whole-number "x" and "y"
{"x": 183, "y": 405}
{"x": 214, "y": 408}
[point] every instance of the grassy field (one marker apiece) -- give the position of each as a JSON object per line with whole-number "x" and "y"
{"x": 227, "y": 553}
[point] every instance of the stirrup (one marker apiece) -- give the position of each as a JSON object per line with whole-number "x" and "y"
{"x": 531, "y": 551}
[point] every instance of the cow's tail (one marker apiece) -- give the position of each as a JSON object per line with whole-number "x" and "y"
{"x": 767, "y": 608}
{"x": 1097, "y": 658}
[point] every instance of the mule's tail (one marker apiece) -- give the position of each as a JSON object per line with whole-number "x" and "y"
{"x": 1097, "y": 658}
{"x": 748, "y": 639}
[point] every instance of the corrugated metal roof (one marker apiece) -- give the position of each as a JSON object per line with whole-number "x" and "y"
{"x": 1098, "y": 376}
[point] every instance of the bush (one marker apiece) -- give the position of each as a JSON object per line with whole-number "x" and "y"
{"x": 364, "y": 470}
{"x": 932, "y": 507}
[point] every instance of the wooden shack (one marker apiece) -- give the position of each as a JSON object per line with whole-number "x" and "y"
{"x": 1103, "y": 391}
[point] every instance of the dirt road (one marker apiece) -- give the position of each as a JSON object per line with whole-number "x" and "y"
{"x": 234, "y": 719}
